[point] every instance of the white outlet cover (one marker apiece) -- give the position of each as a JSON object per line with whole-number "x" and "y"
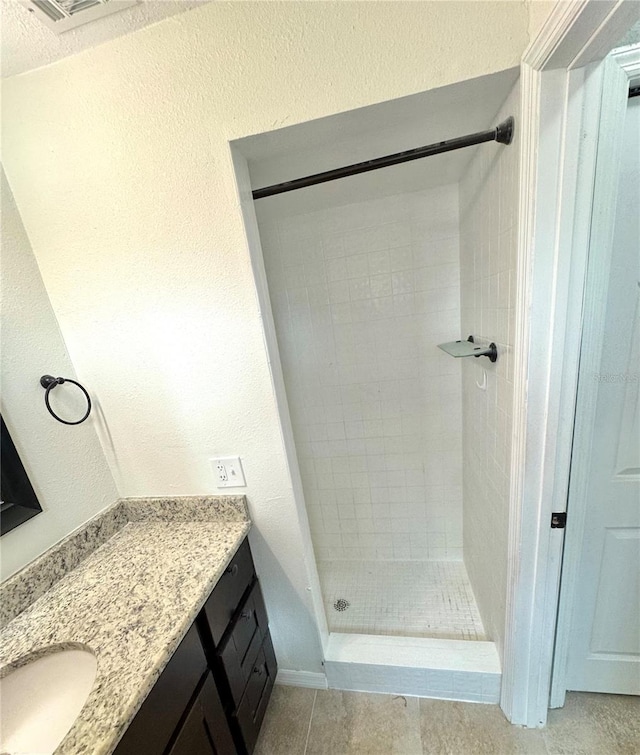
{"x": 233, "y": 472}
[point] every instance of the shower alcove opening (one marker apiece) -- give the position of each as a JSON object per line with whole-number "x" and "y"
{"x": 398, "y": 452}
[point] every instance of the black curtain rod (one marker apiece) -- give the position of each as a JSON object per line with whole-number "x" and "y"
{"x": 503, "y": 133}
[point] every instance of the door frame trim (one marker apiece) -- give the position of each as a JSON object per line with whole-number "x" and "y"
{"x": 558, "y": 73}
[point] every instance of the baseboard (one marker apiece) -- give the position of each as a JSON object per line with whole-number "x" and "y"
{"x": 301, "y": 679}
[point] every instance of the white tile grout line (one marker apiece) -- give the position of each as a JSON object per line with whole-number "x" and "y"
{"x": 313, "y": 707}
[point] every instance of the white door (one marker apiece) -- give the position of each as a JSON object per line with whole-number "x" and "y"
{"x": 604, "y": 647}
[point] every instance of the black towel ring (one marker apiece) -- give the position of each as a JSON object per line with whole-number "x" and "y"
{"x": 48, "y": 382}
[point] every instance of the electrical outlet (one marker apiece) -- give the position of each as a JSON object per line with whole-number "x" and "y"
{"x": 228, "y": 472}
{"x": 222, "y": 472}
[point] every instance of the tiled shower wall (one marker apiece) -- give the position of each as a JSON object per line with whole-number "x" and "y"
{"x": 488, "y": 239}
{"x": 361, "y": 294}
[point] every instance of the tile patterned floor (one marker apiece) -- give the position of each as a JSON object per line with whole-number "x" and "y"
{"x": 330, "y": 722}
{"x": 401, "y": 598}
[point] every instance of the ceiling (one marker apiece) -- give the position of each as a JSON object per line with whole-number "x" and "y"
{"x": 365, "y": 133}
{"x": 28, "y": 44}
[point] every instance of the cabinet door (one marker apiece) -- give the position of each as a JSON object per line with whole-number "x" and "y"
{"x": 161, "y": 713}
{"x": 205, "y": 730}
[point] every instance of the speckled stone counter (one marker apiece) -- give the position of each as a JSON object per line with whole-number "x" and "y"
{"x": 130, "y": 601}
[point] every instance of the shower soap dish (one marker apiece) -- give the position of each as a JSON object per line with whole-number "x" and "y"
{"x": 469, "y": 349}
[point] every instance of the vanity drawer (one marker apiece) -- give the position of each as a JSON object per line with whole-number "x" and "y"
{"x": 227, "y": 594}
{"x": 252, "y": 708}
{"x": 157, "y": 719}
{"x": 242, "y": 643}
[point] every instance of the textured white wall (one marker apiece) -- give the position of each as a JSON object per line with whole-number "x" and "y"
{"x": 119, "y": 161}
{"x": 66, "y": 465}
{"x": 361, "y": 294}
{"x": 539, "y": 11}
{"x": 488, "y": 245}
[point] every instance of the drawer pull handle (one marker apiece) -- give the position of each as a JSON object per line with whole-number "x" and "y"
{"x": 233, "y": 570}
{"x": 246, "y": 615}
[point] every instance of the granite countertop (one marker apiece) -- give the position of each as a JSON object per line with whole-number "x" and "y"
{"x": 130, "y": 601}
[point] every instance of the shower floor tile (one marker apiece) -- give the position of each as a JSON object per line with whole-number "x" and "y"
{"x": 401, "y": 598}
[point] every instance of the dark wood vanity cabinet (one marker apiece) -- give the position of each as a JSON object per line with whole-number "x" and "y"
{"x": 213, "y": 693}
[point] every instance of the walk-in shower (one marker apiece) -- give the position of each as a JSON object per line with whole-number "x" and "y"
{"x": 402, "y": 448}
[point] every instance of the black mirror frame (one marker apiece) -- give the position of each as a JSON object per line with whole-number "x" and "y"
{"x": 19, "y": 500}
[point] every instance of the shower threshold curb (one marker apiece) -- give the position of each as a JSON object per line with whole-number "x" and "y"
{"x": 417, "y": 666}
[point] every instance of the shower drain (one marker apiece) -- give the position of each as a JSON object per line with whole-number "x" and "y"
{"x": 341, "y": 604}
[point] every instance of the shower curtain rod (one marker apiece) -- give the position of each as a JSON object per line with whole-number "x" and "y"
{"x": 503, "y": 133}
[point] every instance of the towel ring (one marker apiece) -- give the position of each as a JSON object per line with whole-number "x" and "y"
{"x": 48, "y": 382}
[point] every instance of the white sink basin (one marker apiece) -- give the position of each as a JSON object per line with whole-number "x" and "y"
{"x": 40, "y": 701}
